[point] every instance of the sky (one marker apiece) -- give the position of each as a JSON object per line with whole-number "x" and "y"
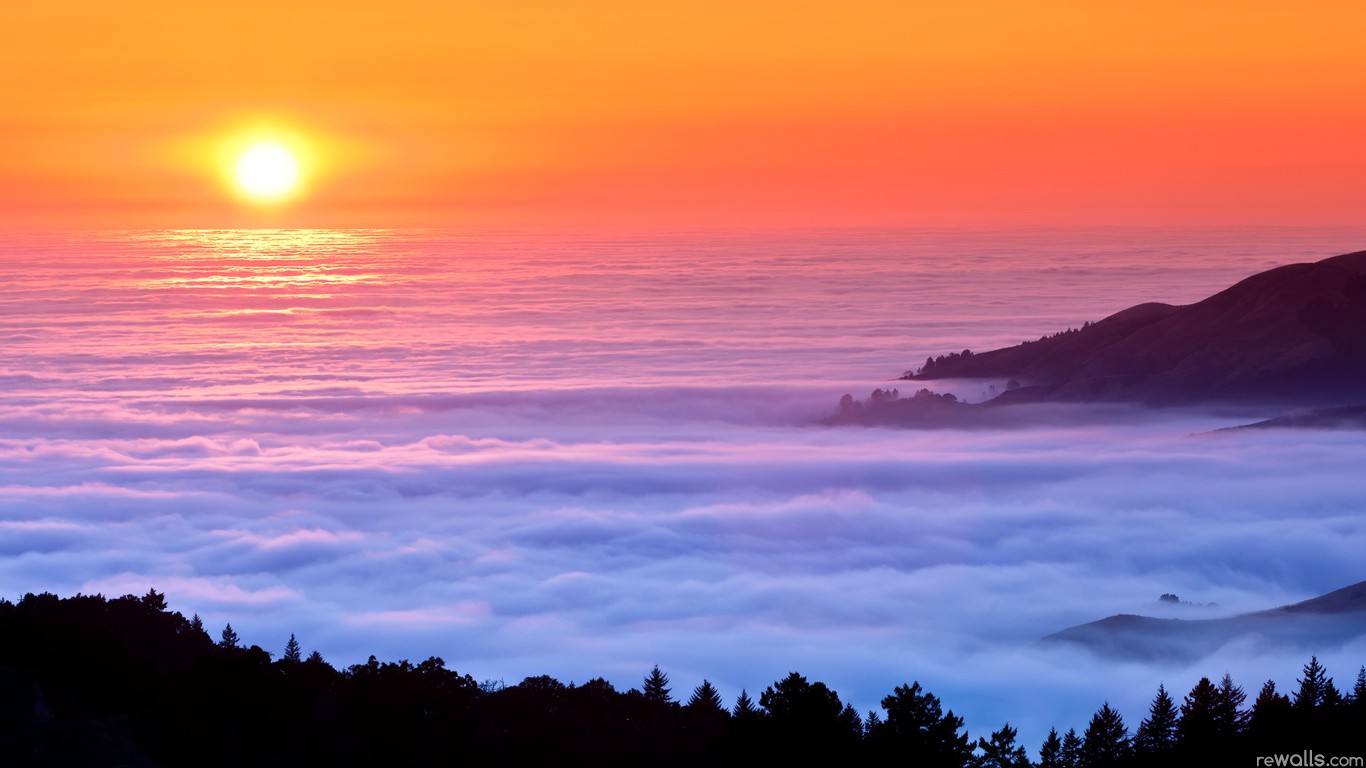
{"x": 625, "y": 115}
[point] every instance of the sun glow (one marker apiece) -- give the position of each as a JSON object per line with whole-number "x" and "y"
{"x": 267, "y": 170}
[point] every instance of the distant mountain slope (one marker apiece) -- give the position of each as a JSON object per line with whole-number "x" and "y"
{"x": 1293, "y": 335}
{"x": 1350, "y": 417}
{"x": 1315, "y": 623}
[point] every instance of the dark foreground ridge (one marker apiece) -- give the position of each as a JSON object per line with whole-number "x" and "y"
{"x": 1289, "y": 337}
{"x": 1333, "y": 618}
{"x": 88, "y": 681}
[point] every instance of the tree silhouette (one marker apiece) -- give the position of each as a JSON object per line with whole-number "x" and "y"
{"x": 705, "y": 698}
{"x": 657, "y": 687}
{"x": 1199, "y": 727}
{"x": 916, "y": 728}
{"x": 1332, "y": 697}
{"x": 850, "y": 720}
{"x": 1050, "y": 754}
{"x": 1070, "y": 756}
{"x": 1271, "y": 715}
{"x": 744, "y": 707}
{"x": 154, "y": 600}
{"x": 293, "y": 653}
{"x": 808, "y": 719}
{"x": 1313, "y": 686}
{"x": 871, "y": 722}
{"x": 794, "y": 699}
{"x": 124, "y": 681}
{"x": 1106, "y": 742}
{"x": 1229, "y": 716}
{"x": 1001, "y": 751}
{"x": 1156, "y": 736}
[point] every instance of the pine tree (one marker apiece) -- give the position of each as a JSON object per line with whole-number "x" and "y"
{"x": 1359, "y": 690}
{"x": 657, "y": 687}
{"x": 851, "y": 721}
{"x": 871, "y": 722}
{"x": 1070, "y": 755}
{"x": 1332, "y": 697}
{"x": 197, "y": 624}
{"x": 1229, "y": 716}
{"x": 1156, "y": 735}
{"x": 316, "y": 658}
{"x": 1050, "y": 754}
{"x": 1198, "y": 728}
{"x": 1270, "y": 707}
{"x": 230, "y": 638}
{"x": 705, "y": 698}
{"x": 1313, "y": 686}
{"x": 1106, "y": 742}
{"x": 293, "y": 653}
{"x": 1001, "y": 751}
{"x": 744, "y": 707}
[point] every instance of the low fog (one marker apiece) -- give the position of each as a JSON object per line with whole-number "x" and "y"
{"x": 584, "y": 462}
{"x": 599, "y": 534}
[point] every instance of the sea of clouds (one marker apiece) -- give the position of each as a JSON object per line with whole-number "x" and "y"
{"x": 583, "y": 457}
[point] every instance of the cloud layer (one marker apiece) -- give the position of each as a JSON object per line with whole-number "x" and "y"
{"x": 581, "y": 462}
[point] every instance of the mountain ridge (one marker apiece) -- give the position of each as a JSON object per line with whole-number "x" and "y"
{"x": 1293, "y": 335}
{"x": 1333, "y": 617}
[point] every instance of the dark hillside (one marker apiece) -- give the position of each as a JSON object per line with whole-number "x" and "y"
{"x": 1293, "y": 335}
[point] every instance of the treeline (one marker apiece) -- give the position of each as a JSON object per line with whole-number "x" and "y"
{"x": 935, "y": 365}
{"x": 849, "y": 405}
{"x": 93, "y": 681}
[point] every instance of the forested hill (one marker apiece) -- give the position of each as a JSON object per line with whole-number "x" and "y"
{"x": 90, "y": 681}
{"x": 1293, "y": 335}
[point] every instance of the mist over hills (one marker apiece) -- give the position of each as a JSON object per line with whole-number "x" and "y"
{"x": 1333, "y": 618}
{"x": 1292, "y": 336}
{"x": 1349, "y": 417}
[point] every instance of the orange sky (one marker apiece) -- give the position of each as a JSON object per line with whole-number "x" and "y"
{"x": 688, "y": 114}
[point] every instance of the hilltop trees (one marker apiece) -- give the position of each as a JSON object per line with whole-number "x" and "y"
{"x": 932, "y": 364}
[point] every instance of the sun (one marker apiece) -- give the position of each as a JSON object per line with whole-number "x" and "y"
{"x": 267, "y": 170}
